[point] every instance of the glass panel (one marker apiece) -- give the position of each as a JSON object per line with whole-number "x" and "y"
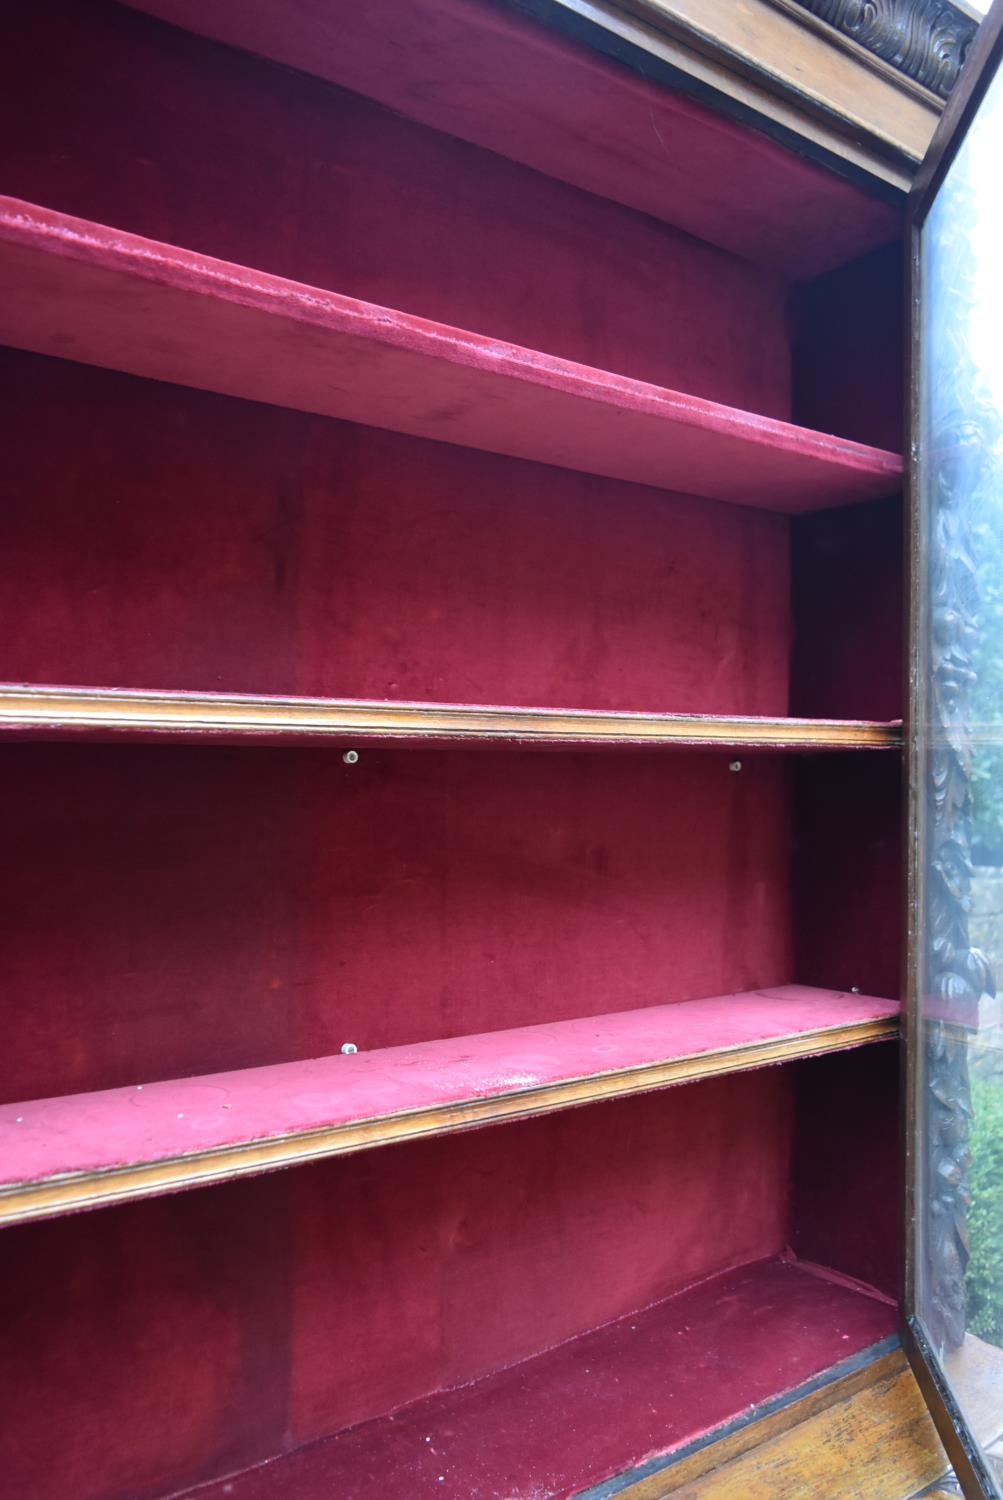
{"x": 959, "y": 1254}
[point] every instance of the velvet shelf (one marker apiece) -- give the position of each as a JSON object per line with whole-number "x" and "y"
{"x": 82, "y": 1150}
{"x": 55, "y": 712}
{"x": 564, "y": 1421}
{"x": 103, "y": 297}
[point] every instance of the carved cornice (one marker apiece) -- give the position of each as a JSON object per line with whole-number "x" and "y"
{"x": 925, "y": 39}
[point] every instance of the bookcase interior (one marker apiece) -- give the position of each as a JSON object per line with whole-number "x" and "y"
{"x": 532, "y": 1307}
{"x": 267, "y": 1315}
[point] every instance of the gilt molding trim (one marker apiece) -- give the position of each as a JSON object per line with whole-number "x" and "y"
{"x": 774, "y": 65}
{"x": 56, "y": 713}
{"x": 927, "y": 40}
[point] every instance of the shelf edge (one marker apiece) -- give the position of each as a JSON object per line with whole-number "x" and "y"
{"x": 311, "y": 349}
{"x": 50, "y": 1197}
{"x": 57, "y": 711}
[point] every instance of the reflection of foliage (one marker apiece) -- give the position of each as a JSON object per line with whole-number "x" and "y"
{"x": 987, "y": 689}
{"x": 985, "y": 1218}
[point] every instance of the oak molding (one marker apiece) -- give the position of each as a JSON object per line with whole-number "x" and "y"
{"x": 74, "y": 1191}
{"x": 97, "y": 713}
{"x": 927, "y": 40}
{"x": 773, "y": 65}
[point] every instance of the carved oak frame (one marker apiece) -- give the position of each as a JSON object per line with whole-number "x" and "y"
{"x": 943, "y": 969}
{"x": 927, "y": 40}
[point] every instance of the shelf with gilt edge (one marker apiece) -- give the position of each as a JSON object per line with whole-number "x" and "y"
{"x": 96, "y": 713}
{"x": 84, "y": 1150}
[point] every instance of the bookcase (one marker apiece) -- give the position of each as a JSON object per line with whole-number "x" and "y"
{"x": 451, "y": 677}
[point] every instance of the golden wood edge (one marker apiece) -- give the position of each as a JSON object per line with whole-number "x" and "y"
{"x": 54, "y": 1196}
{"x": 123, "y": 713}
{"x": 784, "y": 43}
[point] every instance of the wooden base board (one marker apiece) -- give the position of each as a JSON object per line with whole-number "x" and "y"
{"x": 865, "y": 1435}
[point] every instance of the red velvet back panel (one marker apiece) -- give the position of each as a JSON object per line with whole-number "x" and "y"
{"x": 149, "y": 129}
{"x": 151, "y": 1346}
{"x": 169, "y": 911}
{"x": 160, "y": 537}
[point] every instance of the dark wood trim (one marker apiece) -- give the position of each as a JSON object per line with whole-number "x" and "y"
{"x": 964, "y": 1452}
{"x": 810, "y": 44}
{"x": 980, "y": 67}
{"x": 810, "y": 14}
{"x": 926, "y": 40}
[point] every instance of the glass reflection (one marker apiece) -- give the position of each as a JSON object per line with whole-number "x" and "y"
{"x": 960, "y": 1203}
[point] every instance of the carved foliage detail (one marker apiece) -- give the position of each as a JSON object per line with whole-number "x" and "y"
{"x": 925, "y": 39}
{"x": 958, "y": 441}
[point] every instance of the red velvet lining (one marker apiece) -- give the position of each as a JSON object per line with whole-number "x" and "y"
{"x": 173, "y": 911}
{"x": 152, "y": 131}
{"x": 597, "y": 1407}
{"x": 173, "y": 539}
{"x": 486, "y": 73}
{"x": 149, "y": 1346}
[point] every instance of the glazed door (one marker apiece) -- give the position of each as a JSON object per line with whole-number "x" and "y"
{"x": 954, "y": 1124}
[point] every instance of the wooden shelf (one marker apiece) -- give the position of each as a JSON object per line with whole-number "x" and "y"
{"x": 645, "y": 1385}
{"x": 54, "y": 713}
{"x": 85, "y": 292}
{"x": 82, "y": 1150}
